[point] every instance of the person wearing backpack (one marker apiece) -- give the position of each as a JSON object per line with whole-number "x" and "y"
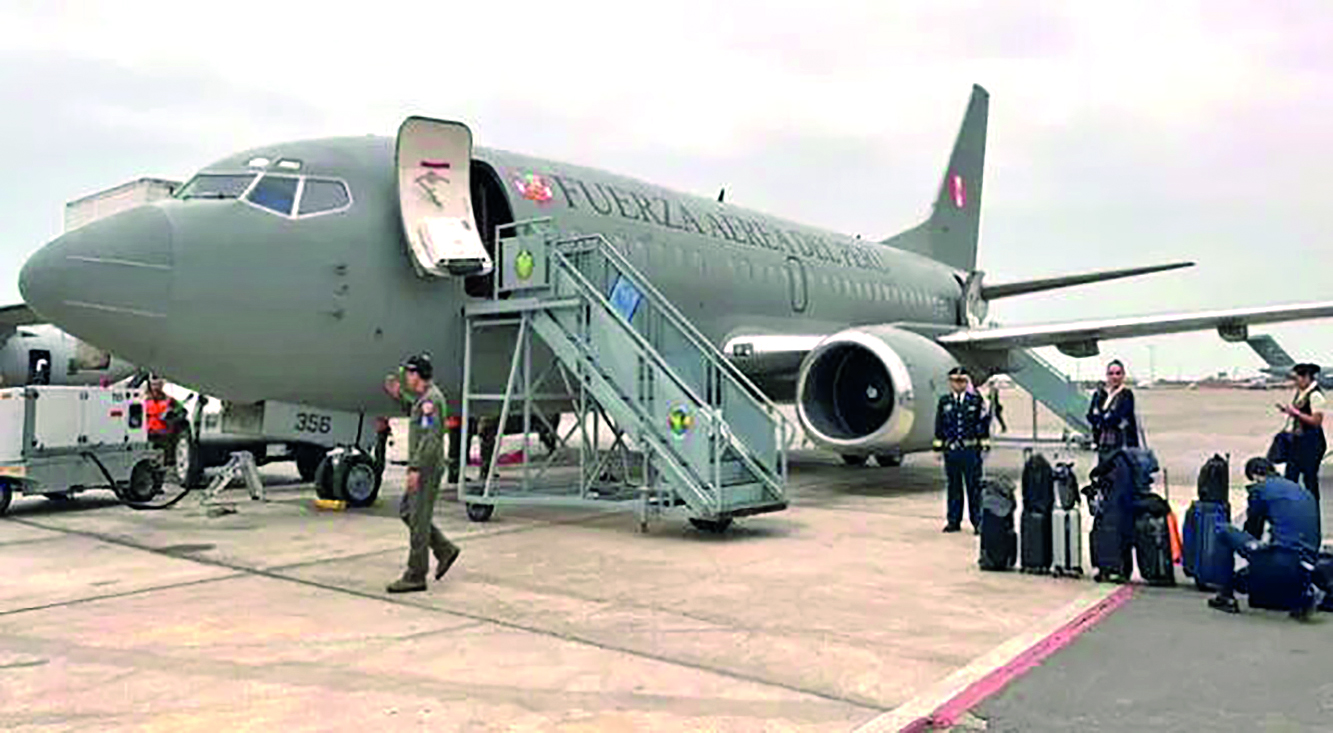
{"x": 1111, "y": 413}
{"x": 1280, "y": 572}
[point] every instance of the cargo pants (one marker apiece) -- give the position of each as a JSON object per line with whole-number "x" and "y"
{"x": 416, "y": 509}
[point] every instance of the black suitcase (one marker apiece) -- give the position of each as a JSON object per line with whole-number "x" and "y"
{"x": 999, "y": 542}
{"x": 1035, "y": 542}
{"x": 1152, "y": 545}
{"x": 1109, "y": 556}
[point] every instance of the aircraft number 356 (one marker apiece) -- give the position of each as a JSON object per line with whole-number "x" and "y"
{"x": 308, "y": 422}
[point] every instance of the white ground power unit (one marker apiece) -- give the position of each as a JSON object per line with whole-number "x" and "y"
{"x": 57, "y": 441}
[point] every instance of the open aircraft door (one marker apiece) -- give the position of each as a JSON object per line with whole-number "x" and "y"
{"x": 433, "y": 159}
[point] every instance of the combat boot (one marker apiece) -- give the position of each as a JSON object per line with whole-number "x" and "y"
{"x": 403, "y": 585}
{"x": 445, "y": 562}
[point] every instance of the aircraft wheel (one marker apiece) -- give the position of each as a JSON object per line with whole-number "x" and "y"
{"x": 889, "y": 460}
{"x": 189, "y": 461}
{"x": 854, "y": 460}
{"x": 480, "y": 512}
{"x": 6, "y": 496}
{"x": 712, "y": 526}
{"x": 357, "y": 480}
{"x": 323, "y": 480}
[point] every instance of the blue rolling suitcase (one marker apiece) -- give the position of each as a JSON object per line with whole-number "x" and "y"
{"x": 1204, "y": 557}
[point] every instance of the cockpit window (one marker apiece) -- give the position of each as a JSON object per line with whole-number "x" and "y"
{"x": 216, "y": 186}
{"x": 276, "y": 193}
{"x": 320, "y": 195}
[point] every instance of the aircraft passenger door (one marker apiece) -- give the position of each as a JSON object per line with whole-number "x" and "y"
{"x": 796, "y": 284}
{"x": 434, "y": 160}
{"x": 39, "y": 366}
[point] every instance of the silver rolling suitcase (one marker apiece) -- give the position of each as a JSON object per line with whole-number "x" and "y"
{"x": 1067, "y": 543}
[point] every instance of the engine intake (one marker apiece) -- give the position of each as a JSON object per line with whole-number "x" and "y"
{"x": 857, "y": 392}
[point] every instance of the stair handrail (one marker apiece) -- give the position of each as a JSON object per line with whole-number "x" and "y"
{"x": 678, "y": 319}
{"x": 647, "y": 348}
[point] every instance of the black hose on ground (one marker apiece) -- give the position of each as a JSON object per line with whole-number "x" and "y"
{"x": 122, "y": 495}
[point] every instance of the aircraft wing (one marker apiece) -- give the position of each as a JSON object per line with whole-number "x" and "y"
{"x": 1080, "y": 338}
{"x": 13, "y": 316}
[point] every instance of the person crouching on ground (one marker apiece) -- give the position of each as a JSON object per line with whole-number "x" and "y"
{"x": 1280, "y": 570}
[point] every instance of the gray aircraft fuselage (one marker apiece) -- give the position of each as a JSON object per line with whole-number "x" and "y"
{"x": 237, "y": 301}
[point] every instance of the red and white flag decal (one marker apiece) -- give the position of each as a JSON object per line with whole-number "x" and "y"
{"x": 958, "y": 190}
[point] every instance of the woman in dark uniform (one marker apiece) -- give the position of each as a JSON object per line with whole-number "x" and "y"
{"x": 1111, "y": 413}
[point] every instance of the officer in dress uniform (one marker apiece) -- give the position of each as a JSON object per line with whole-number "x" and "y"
{"x": 425, "y": 468}
{"x": 962, "y": 430}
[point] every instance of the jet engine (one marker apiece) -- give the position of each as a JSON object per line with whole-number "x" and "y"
{"x": 872, "y": 390}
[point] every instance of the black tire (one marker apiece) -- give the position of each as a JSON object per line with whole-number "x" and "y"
{"x": 480, "y": 512}
{"x": 189, "y": 461}
{"x": 357, "y": 482}
{"x": 854, "y": 460}
{"x": 713, "y": 526}
{"x": 144, "y": 484}
{"x": 889, "y": 460}
{"x": 6, "y": 496}
{"x": 307, "y": 462}
{"x": 324, "y": 480}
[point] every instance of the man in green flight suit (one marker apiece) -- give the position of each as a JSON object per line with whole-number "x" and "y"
{"x": 425, "y": 465}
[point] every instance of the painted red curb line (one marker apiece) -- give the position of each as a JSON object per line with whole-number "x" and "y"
{"x": 948, "y": 713}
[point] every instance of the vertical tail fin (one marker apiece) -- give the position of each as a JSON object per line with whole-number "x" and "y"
{"x": 950, "y": 235}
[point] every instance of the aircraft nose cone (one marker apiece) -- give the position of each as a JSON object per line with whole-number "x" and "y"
{"x": 107, "y": 282}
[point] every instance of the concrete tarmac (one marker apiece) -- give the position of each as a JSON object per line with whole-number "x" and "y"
{"x": 827, "y": 616}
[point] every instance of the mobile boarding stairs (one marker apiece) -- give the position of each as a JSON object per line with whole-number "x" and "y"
{"x": 662, "y": 420}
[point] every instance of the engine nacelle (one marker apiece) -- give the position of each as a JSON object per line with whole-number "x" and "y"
{"x": 872, "y": 389}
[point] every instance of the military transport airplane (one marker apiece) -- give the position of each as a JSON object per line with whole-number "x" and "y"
{"x": 299, "y": 272}
{"x": 33, "y": 352}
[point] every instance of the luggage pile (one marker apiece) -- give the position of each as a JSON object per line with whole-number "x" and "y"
{"x": 1132, "y": 525}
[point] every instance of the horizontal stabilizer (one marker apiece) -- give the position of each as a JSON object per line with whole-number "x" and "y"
{"x": 1080, "y": 338}
{"x": 1006, "y": 290}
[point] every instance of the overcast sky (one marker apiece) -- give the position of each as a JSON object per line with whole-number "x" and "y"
{"x": 1128, "y": 134}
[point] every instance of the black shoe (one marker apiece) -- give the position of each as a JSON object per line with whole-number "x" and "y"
{"x": 444, "y": 563}
{"x": 1225, "y": 604}
{"x": 952, "y": 528}
{"x": 403, "y": 585}
{"x": 976, "y": 530}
